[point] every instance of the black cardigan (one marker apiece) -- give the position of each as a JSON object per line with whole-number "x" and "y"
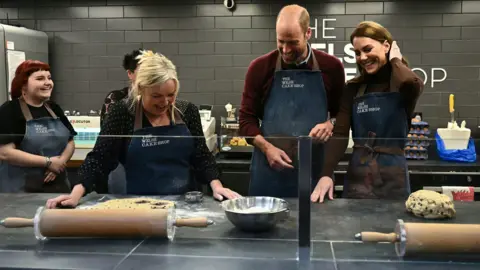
{"x": 110, "y": 150}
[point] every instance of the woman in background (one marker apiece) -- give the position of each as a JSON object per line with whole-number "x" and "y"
{"x": 378, "y": 105}
{"x": 116, "y": 180}
{"x": 36, "y": 138}
{"x": 161, "y": 140}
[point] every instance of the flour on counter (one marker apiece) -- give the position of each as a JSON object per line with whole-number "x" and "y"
{"x": 187, "y": 211}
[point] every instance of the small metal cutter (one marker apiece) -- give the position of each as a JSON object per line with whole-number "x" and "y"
{"x": 194, "y": 196}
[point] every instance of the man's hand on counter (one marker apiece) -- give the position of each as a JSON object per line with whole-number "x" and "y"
{"x": 322, "y": 132}
{"x": 324, "y": 185}
{"x": 219, "y": 192}
{"x": 276, "y": 157}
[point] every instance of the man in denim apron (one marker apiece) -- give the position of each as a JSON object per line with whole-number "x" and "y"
{"x": 296, "y": 105}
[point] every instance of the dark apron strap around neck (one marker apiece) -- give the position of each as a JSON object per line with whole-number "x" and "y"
{"x": 50, "y": 110}
{"x": 178, "y": 116}
{"x": 26, "y": 111}
{"x": 138, "y": 115}
{"x": 361, "y": 90}
{"x": 315, "y": 67}
{"x": 393, "y": 87}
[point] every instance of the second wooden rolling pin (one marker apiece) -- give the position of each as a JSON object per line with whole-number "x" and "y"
{"x": 53, "y": 223}
{"x": 411, "y": 238}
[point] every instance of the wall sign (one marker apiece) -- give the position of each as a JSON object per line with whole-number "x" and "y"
{"x": 346, "y": 54}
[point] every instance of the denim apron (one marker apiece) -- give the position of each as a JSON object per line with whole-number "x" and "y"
{"x": 158, "y": 158}
{"x": 378, "y": 167}
{"x": 297, "y": 102}
{"x": 46, "y": 136}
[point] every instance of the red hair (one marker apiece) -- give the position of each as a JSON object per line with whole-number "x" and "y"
{"x": 23, "y": 72}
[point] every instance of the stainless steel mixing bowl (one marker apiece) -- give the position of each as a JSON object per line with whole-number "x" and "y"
{"x": 268, "y": 212}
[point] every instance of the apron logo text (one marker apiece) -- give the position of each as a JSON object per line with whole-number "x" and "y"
{"x": 289, "y": 83}
{"x": 41, "y": 129}
{"x": 148, "y": 141}
{"x": 363, "y": 108}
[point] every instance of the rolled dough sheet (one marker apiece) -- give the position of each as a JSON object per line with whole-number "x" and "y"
{"x": 134, "y": 203}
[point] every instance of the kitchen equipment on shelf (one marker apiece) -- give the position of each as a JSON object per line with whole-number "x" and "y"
{"x": 115, "y": 223}
{"x": 413, "y": 238}
{"x": 255, "y": 214}
{"x": 231, "y": 143}
{"x": 231, "y": 118}
{"x": 454, "y": 137}
{"x": 208, "y": 126}
{"x": 87, "y": 128}
{"x": 459, "y": 193}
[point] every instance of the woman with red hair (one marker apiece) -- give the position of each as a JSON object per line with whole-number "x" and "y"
{"x": 36, "y": 138}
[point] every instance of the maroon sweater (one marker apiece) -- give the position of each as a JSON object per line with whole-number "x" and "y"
{"x": 259, "y": 79}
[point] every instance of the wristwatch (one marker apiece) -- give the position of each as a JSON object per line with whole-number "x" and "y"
{"x": 49, "y": 162}
{"x": 333, "y": 121}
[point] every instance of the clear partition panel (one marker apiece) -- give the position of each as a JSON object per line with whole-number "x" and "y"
{"x": 153, "y": 197}
{"x": 379, "y": 208}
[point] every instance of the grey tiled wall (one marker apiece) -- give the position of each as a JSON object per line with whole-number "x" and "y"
{"x": 212, "y": 46}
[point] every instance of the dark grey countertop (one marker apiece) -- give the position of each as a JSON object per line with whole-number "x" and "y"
{"x": 221, "y": 245}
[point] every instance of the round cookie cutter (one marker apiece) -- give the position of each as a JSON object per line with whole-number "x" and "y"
{"x": 194, "y": 196}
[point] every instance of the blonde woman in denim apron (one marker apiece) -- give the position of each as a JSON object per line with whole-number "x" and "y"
{"x": 158, "y": 139}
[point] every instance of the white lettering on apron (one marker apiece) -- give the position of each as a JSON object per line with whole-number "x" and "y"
{"x": 149, "y": 141}
{"x": 289, "y": 83}
{"x": 40, "y": 129}
{"x": 363, "y": 108}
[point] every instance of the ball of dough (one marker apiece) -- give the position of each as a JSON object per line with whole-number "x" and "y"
{"x": 430, "y": 205}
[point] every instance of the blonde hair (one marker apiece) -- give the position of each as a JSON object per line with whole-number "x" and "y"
{"x": 376, "y": 32}
{"x": 153, "y": 69}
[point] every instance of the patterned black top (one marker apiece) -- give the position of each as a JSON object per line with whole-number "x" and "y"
{"x": 112, "y": 97}
{"x": 110, "y": 150}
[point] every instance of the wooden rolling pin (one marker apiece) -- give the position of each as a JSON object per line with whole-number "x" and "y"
{"x": 410, "y": 238}
{"x": 105, "y": 223}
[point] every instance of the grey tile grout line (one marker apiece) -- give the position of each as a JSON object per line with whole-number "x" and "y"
{"x": 333, "y": 256}
{"x": 128, "y": 254}
{"x": 277, "y": 239}
{"x": 219, "y": 257}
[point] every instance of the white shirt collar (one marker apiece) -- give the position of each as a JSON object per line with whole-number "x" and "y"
{"x": 309, "y": 48}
